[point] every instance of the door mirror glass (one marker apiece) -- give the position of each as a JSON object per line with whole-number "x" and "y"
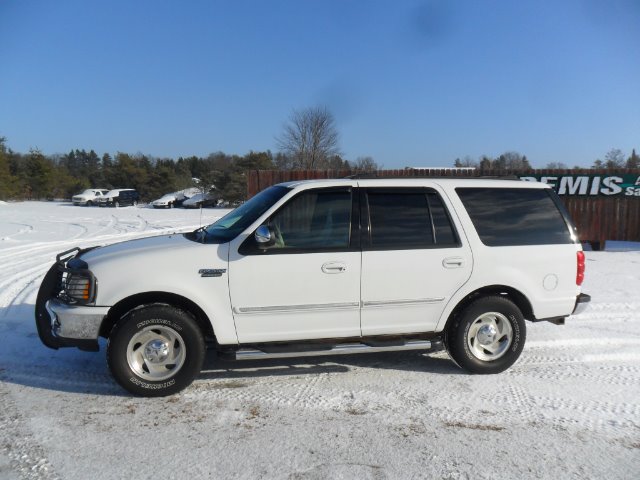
{"x": 263, "y": 236}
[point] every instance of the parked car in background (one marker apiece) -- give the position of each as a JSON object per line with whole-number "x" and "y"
{"x": 89, "y": 197}
{"x": 201, "y": 200}
{"x": 120, "y": 197}
{"x": 169, "y": 200}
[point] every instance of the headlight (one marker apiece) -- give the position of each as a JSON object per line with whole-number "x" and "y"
{"x": 79, "y": 287}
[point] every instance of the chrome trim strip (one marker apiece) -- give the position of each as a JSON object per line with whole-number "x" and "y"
{"x": 254, "y": 354}
{"x": 296, "y": 308}
{"x": 400, "y": 303}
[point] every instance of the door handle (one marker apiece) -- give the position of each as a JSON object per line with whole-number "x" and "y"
{"x": 334, "y": 267}
{"x": 453, "y": 262}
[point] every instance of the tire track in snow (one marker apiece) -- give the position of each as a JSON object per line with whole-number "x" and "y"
{"x": 28, "y": 229}
{"x": 11, "y": 287}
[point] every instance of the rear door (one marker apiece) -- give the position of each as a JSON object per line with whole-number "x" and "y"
{"x": 413, "y": 259}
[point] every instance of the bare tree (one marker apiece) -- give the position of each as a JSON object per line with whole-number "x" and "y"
{"x": 614, "y": 159}
{"x": 467, "y": 162}
{"x": 310, "y": 138}
{"x": 557, "y": 166}
{"x": 513, "y": 161}
{"x": 365, "y": 164}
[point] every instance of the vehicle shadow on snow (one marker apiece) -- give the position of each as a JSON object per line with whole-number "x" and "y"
{"x": 26, "y": 361}
{"x": 216, "y": 368}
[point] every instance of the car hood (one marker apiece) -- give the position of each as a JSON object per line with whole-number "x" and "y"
{"x": 163, "y": 244}
{"x": 166, "y": 263}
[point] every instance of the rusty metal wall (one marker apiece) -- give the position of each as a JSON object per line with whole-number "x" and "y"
{"x": 598, "y": 218}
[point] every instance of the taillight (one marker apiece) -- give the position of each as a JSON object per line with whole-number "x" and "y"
{"x": 580, "y": 272}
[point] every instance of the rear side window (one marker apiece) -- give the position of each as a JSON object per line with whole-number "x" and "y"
{"x": 408, "y": 220}
{"x": 515, "y": 216}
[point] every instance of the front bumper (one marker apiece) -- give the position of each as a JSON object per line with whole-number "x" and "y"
{"x": 61, "y": 325}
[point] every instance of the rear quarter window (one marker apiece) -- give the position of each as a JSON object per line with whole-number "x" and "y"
{"x": 515, "y": 216}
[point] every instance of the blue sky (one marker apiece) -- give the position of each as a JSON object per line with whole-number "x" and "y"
{"x": 411, "y": 83}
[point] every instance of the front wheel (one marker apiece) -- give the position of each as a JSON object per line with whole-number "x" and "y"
{"x": 155, "y": 351}
{"x": 487, "y": 336}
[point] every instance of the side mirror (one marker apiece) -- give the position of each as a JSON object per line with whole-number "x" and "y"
{"x": 264, "y": 236}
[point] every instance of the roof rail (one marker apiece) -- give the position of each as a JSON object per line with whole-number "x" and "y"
{"x": 373, "y": 175}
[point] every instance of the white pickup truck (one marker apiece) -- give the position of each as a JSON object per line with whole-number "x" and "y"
{"x": 325, "y": 267}
{"x": 89, "y": 197}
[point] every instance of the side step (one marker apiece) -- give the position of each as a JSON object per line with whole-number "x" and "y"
{"x": 337, "y": 349}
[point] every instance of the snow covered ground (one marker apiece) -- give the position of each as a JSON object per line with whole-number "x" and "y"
{"x": 570, "y": 407}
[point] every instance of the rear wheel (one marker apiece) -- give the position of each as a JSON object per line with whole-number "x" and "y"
{"x": 155, "y": 351}
{"x": 488, "y": 335}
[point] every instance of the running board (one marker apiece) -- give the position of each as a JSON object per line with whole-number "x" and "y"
{"x": 339, "y": 349}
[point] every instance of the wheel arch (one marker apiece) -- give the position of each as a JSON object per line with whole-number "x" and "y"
{"x": 516, "y": 296}
{"x": 149, "y": 298}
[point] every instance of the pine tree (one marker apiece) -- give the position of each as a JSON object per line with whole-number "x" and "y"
{"x": 7, "y": 181}
{"x": 634, "y": 160}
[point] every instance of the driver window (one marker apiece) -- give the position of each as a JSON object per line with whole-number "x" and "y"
{"x": 313, "y": 220}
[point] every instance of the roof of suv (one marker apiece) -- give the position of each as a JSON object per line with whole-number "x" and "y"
{"x": 417, "y": 182}
{"x": 117, "y": 191}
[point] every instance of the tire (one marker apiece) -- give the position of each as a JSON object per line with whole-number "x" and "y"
{"x": 487, "y": 336}
{"x": 89, "y": 203}
{"x": 135, "y": 203}
{"x": 155, "y": 351}
{"x": 116, "y": 204}
{"x": 170, "y": 205}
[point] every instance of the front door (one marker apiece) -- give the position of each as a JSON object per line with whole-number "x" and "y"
{"x": 307, "y": 284}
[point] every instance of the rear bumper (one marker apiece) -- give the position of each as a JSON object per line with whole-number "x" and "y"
{"x": 61, "y": 325}
{"x": 582, "y": 301}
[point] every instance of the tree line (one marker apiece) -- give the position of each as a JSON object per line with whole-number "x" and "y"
{"x": 36, "y": 176}
{"x": 613, "y": 159}
{"x": 309, "y": 140}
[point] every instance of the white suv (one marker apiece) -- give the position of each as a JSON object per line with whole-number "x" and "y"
{"x": 89, "y": 197}
{"x": 325, "y": 267}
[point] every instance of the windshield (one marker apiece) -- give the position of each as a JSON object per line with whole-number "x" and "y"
{"x": 197, "y": 197}
{"x": 87, "y": 192}
{"x": 234, "y": 222}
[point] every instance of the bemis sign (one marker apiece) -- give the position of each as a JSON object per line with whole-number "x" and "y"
{"x": 590, "y": 185}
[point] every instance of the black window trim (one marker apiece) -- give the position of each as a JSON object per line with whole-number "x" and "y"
{"x": 249, "y": 247}
{"x": 366, "y": 219}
